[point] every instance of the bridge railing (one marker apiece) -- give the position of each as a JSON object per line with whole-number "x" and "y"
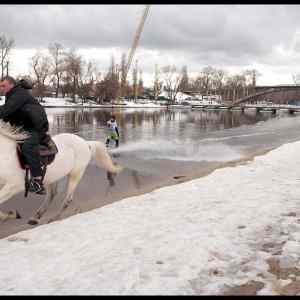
{"x": 247, "y": 98}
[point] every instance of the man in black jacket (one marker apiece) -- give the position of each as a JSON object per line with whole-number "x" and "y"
{"x": 21, "y": 109}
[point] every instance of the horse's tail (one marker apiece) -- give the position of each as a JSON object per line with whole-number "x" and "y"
{"x": 102, "y": 158}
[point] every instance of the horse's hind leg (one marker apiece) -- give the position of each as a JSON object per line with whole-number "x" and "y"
{"x": 74, "y": 178}
{"x": 6, "y": 193}
{"x": 51, "y": 192}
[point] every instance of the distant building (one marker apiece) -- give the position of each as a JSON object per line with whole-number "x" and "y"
{"x": 211, "y": 97}
{"x": 192, "y": 96}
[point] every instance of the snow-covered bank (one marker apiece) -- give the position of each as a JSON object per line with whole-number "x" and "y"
{"x": 193, "y": 238}
{"x": 67, "y": 102}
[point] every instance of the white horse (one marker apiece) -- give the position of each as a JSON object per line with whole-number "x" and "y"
{"x": 74, "y": 155}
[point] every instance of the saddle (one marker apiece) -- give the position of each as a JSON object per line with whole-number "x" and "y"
{"x": 47, "y": 150}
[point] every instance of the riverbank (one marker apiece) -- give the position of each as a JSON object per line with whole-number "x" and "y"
{"x": 95, "y": 190}
{"x": 69, "y": 103}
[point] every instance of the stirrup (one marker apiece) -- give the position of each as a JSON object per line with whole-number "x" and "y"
{"x": 36, "y": 186}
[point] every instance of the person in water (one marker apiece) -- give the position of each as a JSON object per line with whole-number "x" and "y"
{"x": 113, "y": 132}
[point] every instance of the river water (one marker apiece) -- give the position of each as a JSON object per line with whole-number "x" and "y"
{"x": 158, "y": 147}
{"x": 182, "y": 134}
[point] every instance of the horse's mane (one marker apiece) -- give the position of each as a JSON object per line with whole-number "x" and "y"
{"x": 12, "y": 132}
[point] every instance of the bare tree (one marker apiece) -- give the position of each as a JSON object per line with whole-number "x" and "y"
{"x": 208, "y": 74}
{"x": 205, "y": 81}
{"x": 83, "y": 82}
{"x": 184, "y": 84}
{"x": 157, "y": 86}
{"x": 112, "y": 81}
{"x": 172, "y": 80}
{"x": 56, "y": 51}
{"x": 100, "y": 91}
{"x": 41, "y": 70}
{"x": 254, "y": 74}
{"x": 135, "y": 80}
{"x": 123, "y": 75}
{"x": 251, "y": 78}
{"x": 87, "y": 79}
{"x": 197, "y": 84}
{"x": 235, "y": 86}
{"x": 6, "y": 45}
{"x": 218, "y": 81}
{"x": 140, "y": 84}
{"x": 106, "y": 87}
{"x": 73, "y": 71}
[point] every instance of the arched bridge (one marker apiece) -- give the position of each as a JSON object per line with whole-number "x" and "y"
{"x": 278, "y": 96}
{"x": 275, "y": 94}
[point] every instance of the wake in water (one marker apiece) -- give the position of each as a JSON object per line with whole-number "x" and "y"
{"x": 219, "y": 146}
{"x": 190, "y": 141}
{"x": 187, "y": 150}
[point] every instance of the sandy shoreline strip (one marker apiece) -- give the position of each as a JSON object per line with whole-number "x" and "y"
{"x": 138, "y": 185}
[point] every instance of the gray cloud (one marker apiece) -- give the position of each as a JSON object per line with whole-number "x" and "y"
{"x": 205, "y": 34}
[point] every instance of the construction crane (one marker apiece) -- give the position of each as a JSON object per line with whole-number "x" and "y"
{"x": 134, "y": 46}
{"x": 136, "y": 39}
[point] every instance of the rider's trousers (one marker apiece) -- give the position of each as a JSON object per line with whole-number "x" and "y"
{"x": 30, "y": 149}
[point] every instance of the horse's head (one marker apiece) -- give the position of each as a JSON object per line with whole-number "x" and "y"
{"x": 12, "y": 133}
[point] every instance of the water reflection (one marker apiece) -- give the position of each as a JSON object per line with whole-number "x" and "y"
{"x": 145, "y": 124}
{"x": 167, "y": 134}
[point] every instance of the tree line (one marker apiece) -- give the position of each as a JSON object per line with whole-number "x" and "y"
{"x": 63, "y": 72}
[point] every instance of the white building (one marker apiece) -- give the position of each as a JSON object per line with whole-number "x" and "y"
{"x": 194, "y": 98}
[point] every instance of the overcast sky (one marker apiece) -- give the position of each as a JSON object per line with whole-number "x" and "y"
{"x": 233, "y": 37}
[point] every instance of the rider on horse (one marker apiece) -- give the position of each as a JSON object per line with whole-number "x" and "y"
{"x": 21, "y": 109}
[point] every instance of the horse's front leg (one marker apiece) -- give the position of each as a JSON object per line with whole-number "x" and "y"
{"x": 6, "y": 193}
{"x": 63, "y": 207}
{"x": 51, "y": 192}
{"x": 74, "y": 178}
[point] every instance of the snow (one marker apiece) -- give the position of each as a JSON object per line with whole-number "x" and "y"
{"x": 191, "y": 238}
{"x": 67, "y": 102}
{"x": 196, "y": 99}
{"x": 140, "y": 103}
{"x": 179, "y": 96}
{"x": 47, "y": 101}
{"x": 144, "y": 103}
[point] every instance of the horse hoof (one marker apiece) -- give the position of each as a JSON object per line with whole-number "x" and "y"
{"x": 18, "y": 216}
{"x": 33, "y": 222}
{"x": 13, "y": 215}
{"x": 77, "y": 210}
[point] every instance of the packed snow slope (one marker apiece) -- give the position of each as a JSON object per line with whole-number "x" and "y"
{"x": 197, "y": 237}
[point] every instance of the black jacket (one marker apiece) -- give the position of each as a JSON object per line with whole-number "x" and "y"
{"x": 23, "y": 110}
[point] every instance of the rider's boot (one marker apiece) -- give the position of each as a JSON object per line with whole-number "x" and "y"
{"x": 36, "y": 186}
